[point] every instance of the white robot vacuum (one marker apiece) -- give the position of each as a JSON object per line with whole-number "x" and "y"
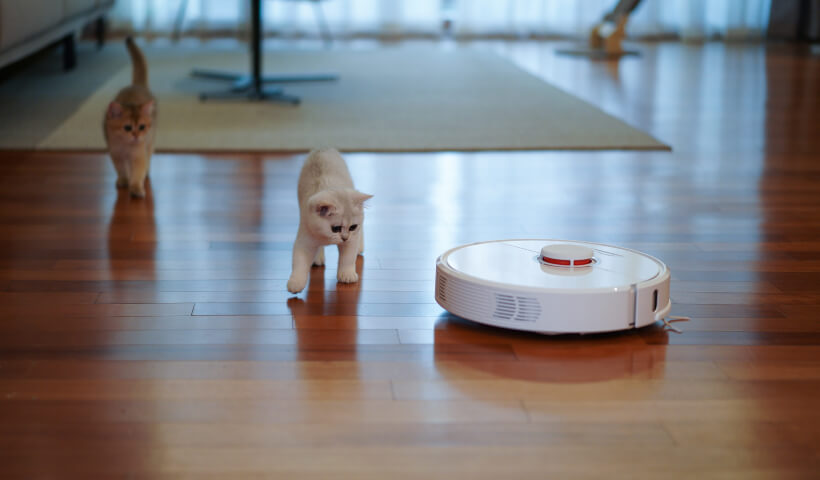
{"x": 553, "y": 286}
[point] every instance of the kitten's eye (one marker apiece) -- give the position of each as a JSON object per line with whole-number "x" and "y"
{"x": 142, "y": 126}
{"x": 128, "y": 128}
{"x": 353, "y": 227}
{"x": 336, "y": 229}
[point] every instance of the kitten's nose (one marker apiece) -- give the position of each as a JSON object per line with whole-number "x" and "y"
{"x": 344, "y": 237}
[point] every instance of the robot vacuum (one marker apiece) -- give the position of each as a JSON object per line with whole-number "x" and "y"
{"x": 553, "y": 286}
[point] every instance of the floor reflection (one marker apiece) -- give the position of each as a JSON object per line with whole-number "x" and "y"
{"x": 545, "y": 358}
{"x": 94, "y": 424}
{"x": 131, "y": 216}
{"x": 327, "y": 310}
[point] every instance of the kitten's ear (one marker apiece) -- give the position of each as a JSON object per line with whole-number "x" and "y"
{"x": 148, "y": 108}
{"x": 322, "y": 204}
{"x": 324, "y": 209}
{"x": 114, "y": 110}
{"x": 359, "y": 197}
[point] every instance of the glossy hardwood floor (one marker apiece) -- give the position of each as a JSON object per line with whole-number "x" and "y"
{"x": 155, "y": 339}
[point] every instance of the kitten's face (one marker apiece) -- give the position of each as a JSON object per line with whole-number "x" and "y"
{"x": 129, "y": 124}
{"x": 336, "y": 216}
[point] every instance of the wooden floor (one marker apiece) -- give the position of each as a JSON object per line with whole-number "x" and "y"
{"x": 155, "y": 338}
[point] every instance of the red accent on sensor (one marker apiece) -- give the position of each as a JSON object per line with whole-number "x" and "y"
{"x": 568, "y": 263}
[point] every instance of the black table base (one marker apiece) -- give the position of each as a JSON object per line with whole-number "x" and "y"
{"x": 252, "y": 86}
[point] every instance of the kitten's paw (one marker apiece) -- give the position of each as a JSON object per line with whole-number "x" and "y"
{"x": 137, "y": 191}
{"x": 347, "y": 276}
{"x": 296, "y": 285}
{"x": 122, "y": 182}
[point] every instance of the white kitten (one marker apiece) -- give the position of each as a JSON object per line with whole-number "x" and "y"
{"x": 331, "y": 213}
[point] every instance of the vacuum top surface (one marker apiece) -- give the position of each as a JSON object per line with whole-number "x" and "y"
{"x": 520, "y": 263}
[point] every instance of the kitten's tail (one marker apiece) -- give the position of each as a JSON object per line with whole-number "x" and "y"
{"x": 140, "y": 75}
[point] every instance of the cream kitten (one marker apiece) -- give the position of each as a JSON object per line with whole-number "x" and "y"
{"x": 331, "y": 213}
{"x": 129, "y": 127}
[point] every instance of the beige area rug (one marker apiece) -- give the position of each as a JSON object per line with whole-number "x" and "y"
{"x": 394, "y": 99}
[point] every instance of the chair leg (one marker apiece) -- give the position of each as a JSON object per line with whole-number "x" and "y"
{"x": 100, "y": 30}
{"x": 323, "y": 26}
{"x": 178, "y": 21}
{"x": 69, "y": 52}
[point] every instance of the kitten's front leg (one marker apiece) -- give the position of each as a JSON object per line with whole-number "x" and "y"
{"x": 136, "y": 184}
{"x": 348, "y": 251}
{"x": 302, "y": 259}
{"x": 122, "y": 172}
